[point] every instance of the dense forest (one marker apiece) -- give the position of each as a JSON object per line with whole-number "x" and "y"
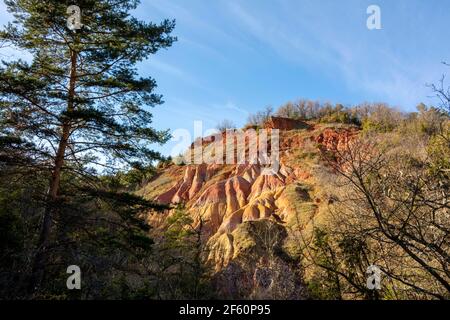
{"x": 75, "y": 136}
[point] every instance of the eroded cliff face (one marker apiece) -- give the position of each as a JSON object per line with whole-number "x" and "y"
{"x": 251, "y": 221}
{"x": 285, "y": 124}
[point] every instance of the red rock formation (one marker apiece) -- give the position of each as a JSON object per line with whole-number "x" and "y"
{"x": 336, "y": 140}
{"x": 265, "y": 183}
{"x": 285, "y": 124}
{"x": 194, "y": 178}
{"x": 233, "y": 192}
{"x": 227, "y": 197}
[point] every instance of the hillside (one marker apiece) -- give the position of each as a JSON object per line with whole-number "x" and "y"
{"x": 248, "y": 220}
{"x": 325, "y": 198}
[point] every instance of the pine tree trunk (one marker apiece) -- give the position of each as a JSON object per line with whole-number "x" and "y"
{"x": 51, "y": 209}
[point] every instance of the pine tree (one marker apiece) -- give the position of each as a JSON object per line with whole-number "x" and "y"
{"x": 79, "y": 106}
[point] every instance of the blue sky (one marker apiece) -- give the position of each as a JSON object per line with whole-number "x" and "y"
{"x": 238, "y": 56}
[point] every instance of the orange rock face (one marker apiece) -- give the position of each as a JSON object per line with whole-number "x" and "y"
{"x": 285, "y": 124}
{"x": 221, "y": 198}
{"x": 336, "y": 140}
{"x": 194, "y": 178}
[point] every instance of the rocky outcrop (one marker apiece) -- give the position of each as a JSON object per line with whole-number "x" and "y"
{"x": 285, "y": 124}
{"x": 194, "y": 178}
{"x": 336, "y": 140}
{"x": 234, "y": 203}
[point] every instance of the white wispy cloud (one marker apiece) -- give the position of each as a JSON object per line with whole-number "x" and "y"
{"x": 300, "y": 34}
{"x": 187, "y": 17}
{"x": 231, "y": 106}
{"x": 167, "y": 68}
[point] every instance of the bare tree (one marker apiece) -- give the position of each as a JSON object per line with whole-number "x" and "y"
{"x": 442, "y": 92}
{"x": 396, "y": 198}
{"x": 260, "y": 118}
